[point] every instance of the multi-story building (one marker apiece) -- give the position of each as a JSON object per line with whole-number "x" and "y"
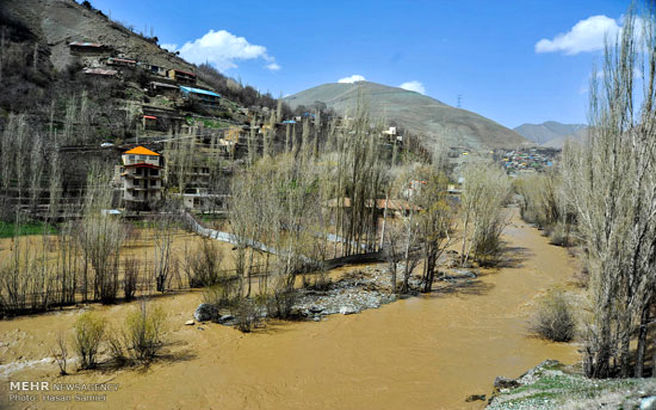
{"x": 141, "y": 177}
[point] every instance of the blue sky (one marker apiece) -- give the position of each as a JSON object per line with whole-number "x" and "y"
{"x": 512, "y": 61}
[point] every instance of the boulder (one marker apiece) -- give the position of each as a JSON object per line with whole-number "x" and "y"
{"x": 648, "y": 403}
{"x": 189, "y": 323}
{"x": 225, "y": 319}
{"x": 465, "y": 273}
{"x": 475, "y": 397}
{"x": 347, "y": 310}
{"x": 315, "y": 309}
{"x": 205, "y": 312}
{"x": 505, "y": 383}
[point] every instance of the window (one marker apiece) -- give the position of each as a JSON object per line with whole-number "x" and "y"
{"x": 131, "y": 158}
{"x": 154, "y": 172}
{"x": 153, "y": 182}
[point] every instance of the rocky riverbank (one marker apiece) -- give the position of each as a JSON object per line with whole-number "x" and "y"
{"x": 358, "y": 290}
{"x": 552, "y": 385}
{"x": 367, "y": 288}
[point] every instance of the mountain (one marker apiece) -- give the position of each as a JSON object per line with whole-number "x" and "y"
{"x": 551, "y": 133}
{"x": 421, "y": 115}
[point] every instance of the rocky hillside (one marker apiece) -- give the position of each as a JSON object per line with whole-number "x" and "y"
{"x": 56, "y": 23}
{"x": 421, "y": 115}
{"x": 552, "y": 134}
{"x": 55, "y": 50}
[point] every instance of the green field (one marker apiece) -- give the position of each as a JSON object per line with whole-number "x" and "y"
{"x": 7, "y": 230}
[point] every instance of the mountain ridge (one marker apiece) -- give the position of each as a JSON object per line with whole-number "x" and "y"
{"x": 419, "y": 114}
{"x": 552, "y": 133}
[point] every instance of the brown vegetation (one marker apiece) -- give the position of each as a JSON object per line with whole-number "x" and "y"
{"x": 554, "y": 319}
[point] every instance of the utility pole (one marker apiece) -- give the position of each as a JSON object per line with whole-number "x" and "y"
{"x": 459, "y": 105}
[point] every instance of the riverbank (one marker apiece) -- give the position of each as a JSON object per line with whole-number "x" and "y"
{"x": 552, "y": 385}
{"x": 430, "y": 351}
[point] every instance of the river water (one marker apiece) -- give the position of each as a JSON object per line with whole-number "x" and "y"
{"x": 426, "y": 352}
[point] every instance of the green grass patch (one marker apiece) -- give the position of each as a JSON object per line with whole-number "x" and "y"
{"x": 8, "y": 229}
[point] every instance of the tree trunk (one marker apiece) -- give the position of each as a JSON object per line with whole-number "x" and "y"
{"x": 653, "y": 358}
{"x": 642, "y": 341}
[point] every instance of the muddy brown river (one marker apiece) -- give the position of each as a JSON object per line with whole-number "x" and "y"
{"x": 424, "y": 353}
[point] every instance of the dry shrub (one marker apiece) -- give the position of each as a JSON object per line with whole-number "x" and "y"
{"x": 554, "y": 319}
{"x": 205, "y": 265}
{"x": 223, "y": 294}
{"x": 116, "y": 346}
{"x": 89, "y": 330}
{"x": 61, "y": 354}
{"x": 282, "y": 298}
{"x": 560, "y": 235}
{"x": 130, "y": 277}
{"x": 144, "y": 331}
{"x": 247, "y": 313}
{"x": 319, "y": 282}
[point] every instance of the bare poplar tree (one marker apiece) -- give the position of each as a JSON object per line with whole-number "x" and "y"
{"x": 611, "y": 184}
{"x": 485, "y": 190}
{"x": 101, "y": 236}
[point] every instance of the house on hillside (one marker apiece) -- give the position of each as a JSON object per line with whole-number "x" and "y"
{"x": 153, "y": 69}
{"x": 141, "y": 178}
{"x": 88, "y": 48}
{"x": 159, "y": 88}
{"x": 198, "y": 199}
{"x": 164, "y": 118}
{"x": 205, "y": 97}
{"x": 122, "y": 62}
{"x": 150, "y": 122}
{"x": 182, "y": 77}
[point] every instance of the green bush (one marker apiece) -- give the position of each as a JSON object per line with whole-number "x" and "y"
{"x": 144, "y": 332}
{"x": 89, "y": 330}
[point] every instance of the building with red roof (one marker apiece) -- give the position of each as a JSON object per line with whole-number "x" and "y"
{"x": 141, "y": 177}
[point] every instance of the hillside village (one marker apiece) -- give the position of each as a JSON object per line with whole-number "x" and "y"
{"x": 150, "y": 97}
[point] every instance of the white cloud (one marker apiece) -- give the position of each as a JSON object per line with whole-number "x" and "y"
{"x": 169, "y": 46}
{"x": 222, "y": 49}
{"x": 352, "y": 79}
{"x": 586, "y": 35}
{"x": 415, "y": 86}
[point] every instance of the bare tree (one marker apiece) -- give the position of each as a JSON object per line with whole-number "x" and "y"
{"x": 163, "y": 228}
{"x": 485, "y": 190}
{"x": 435, "y": 223}
{"x": 611, "y": 184}
{"x": 100, "y": 236}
